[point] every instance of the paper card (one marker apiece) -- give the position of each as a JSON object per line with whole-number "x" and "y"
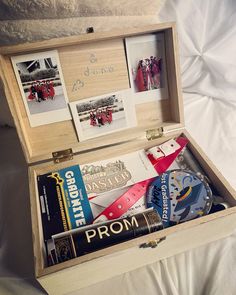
{"x": 63, "y": 201}
{"x": 42, "y": 88}
{"x": 115, "y": 173}
{"x": 104, "y": 114}
{"x": 147, "y": 67}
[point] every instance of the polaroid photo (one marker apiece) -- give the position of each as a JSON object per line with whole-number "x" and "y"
{"x": 42, "y": 87}
{"x": 147, "y": 67}
{"x": 104, "y": 114}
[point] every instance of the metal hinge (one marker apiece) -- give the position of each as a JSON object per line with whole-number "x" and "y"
{"x": 152, "y": 243}
{"x": 61, "y": 156}
{"x": 154, "y": 133}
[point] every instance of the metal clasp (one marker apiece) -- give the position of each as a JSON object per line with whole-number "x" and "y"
{"x": 154, "y": 133}
{"x": 61, "y": 156}
{"x": 152, "y": 243}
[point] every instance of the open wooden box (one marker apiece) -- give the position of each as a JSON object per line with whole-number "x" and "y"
{"x": 157, "y": 122}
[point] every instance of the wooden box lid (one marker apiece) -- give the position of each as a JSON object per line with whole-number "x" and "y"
{"x": 39, "y": 143}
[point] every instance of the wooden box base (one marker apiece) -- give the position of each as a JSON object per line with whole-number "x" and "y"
{"x": 115, "y": 260}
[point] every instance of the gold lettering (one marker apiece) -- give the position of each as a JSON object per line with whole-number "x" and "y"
{"x": 116, "y": 231}
{"x": 91, "y": 233}
{"x": 133, "y": 221}
{"x": 103, "y": 232}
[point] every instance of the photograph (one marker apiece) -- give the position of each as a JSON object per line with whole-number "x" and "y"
{"x": 103, "y": 114}
{"x": 42, "y": 87}
{"x": 147, "y": 67}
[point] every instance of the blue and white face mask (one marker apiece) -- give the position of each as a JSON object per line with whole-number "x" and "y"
{"x": 179, "y": 196}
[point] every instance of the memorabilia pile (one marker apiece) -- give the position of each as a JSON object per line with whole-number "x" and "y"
{"x": 90, "y": 207}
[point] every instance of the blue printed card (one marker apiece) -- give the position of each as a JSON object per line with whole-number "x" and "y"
{"x": 63, "y": 200}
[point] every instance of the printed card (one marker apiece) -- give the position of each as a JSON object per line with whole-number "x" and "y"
{"x": 63, "y": 200}
{"x": 116, "y": 173}
{"x": 68, "y": 196}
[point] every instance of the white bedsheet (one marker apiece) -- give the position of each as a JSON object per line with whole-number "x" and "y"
{"x": 207, "y": 37}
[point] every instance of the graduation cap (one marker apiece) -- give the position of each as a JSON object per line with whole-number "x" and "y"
{"x": 189, "y": 196}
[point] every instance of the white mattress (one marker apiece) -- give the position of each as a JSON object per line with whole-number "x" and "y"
{"x": 207, "y": 37}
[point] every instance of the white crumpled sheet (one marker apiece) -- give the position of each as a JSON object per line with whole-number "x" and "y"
{"x": 207, "y": 39}
{"x": 206, "y": 31}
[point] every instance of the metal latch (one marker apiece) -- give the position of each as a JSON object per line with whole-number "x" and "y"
{"x": 152, "y": 243}
{"x": 61, "y": 156}
{"x": 154, "y": 133}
